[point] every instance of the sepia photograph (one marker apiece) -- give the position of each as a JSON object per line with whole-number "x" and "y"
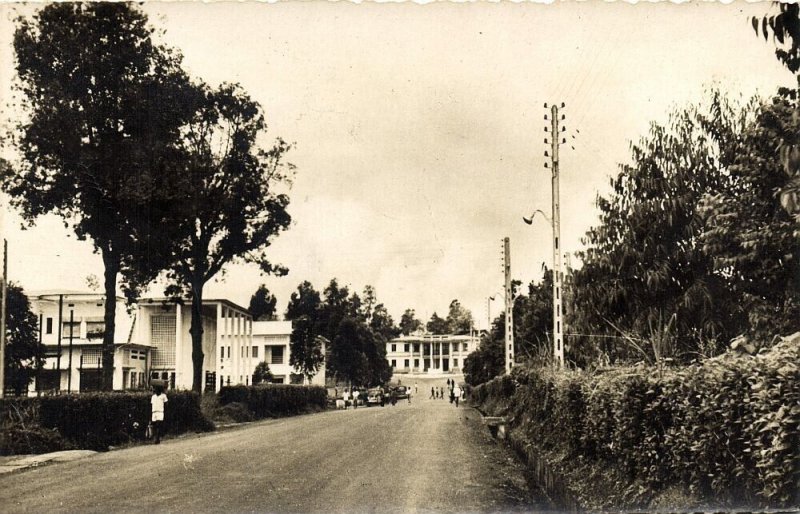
{"x": 399, "y": 256}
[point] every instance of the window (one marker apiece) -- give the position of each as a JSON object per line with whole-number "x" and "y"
{"x": 416, "y": 363}
{"x": 406, "y": 348}
{"x": 394, "y": 362}
{"x": 394, "y": 347}
{"x": 255, "y": 351}
{"x": 277, "y": 355}
{"x": 133, "y": 380}
{"x": 76, "y": 329}
{"x": 229, "y": 354}
{"x": 416, "y": 347}
{"x": 405, "y": 364}
{"x": 221, "y": 353}
{"x": 466, "y": 347}
{"x": 455, "y": 363}
{"x": 49, "y": 326}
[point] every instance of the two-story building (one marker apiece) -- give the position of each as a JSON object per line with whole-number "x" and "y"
{"x": 152, "y": 340}
{"x": 428, "y": 353}
{"x": 72, "y": 330}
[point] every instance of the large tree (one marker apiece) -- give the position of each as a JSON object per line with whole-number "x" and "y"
{"x": 100, "y": 133}
{"x": 409, "y": 323}
{"x": 262, "y": 304}
{"x": 647, "y": 286}
{"x": 437, "y": 325}
{"x": 24, "y": 354}
{"x": 304, "y": 312}
{"x": 488, "y": 361}
{"x": 233, "y": 207}
{"x": 382, "y": 323}
{"x": 459, "y": 318}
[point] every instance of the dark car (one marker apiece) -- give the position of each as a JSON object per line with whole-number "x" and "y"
{"x": 402, "y": 392}
{"x": 375, "y": 396}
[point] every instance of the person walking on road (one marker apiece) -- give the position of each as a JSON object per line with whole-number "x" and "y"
{"x": 355, "y": 398}
{"x": 157, "y": 403}
{"x": 346, "y": 398}
{"x": 457, "y": 394}
{"x": 433, "y": 394}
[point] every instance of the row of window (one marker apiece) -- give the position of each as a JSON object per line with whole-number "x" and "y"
{"x": 445, "y": 347}
{"x": 276, "y": 356}
{"x": 93, "y": 328}
{"x": 406, "y": 363}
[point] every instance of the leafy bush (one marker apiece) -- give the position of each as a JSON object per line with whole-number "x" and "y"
{"x": 26, "y": 440}
{"x": 727, "y": 429}
{"x": 273, "y": 400}
{"x": 98, "y": 420}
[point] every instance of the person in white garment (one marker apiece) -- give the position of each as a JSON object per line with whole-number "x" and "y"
{"x": 157, "y": 403}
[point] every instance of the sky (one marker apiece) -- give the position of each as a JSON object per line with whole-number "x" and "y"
{"x": 418, "y": 130}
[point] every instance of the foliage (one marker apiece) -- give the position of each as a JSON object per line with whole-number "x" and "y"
{"x": 488, "y": 360}
{"x": 646, "y": 277}
{"x": 358, "y": 356}
{"x": 754, "y": 242}
{"x": 459, "y": 319}
{"x": 409, "y": 323}
{"x": 232, "y": 210}
{"x": 307, "y": 355}
{"x": 437, "y": 325}
{"x": 262, "y": 374}
{"x": 24, "y": 355}
{"x": 382, "y": 323}
{"x": 99, "y": 135}
{"x": 274, "y": 400}
{"x": 728, "y": 429}
{"x": 96, "y": 421}
{"x": 262, "y": 304}
{"x": 533, "y": 320}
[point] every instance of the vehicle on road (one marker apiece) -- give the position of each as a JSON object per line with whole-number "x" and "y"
{"x": 375, "y": 396}
{"x": 401, "y": 392}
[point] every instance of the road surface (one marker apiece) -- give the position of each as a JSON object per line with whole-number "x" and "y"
{"x": 428, "y": 456}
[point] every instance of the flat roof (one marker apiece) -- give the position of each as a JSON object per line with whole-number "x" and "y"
{"x": 272, "y": 328}
{"x": 188, "y": 302}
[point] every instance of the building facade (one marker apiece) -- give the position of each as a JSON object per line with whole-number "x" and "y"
{"x": 153, "y": 341}
{"x": 428, "y": 353}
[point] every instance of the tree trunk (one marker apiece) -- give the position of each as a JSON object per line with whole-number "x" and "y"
{"x": 197, "y": 339}
{"x": 111, "y": 262}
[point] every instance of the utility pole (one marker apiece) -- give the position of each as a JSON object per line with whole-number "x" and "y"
{"x": 3, "y": 336}
{"x": 558, "y": 339}
{"x": 509, "y": 343}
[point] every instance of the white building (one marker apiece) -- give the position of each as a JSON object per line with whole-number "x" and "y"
{"x": 153, "y": 341}
{"x": 271, "y": 345}
{"x": 73, "y": 359}
{"x": 428, "y": 353}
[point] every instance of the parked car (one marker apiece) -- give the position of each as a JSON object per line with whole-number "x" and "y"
{"x": 375, "y": 396}
{"x": 401, "y": 392}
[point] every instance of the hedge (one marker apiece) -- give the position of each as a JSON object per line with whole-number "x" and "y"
{"x": 728, "y": 429}
{"x": 273, "y": 400}
{"x": 99, "y": 420}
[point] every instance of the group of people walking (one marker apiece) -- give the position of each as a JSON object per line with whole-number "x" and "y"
{"x": 453, "y": 391}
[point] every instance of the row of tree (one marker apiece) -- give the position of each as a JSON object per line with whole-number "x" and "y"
{"x": 698, "y": 241}
{"x": 165, "y": 174}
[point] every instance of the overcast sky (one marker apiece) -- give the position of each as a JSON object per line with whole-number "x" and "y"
{"x": 419, "y": 130}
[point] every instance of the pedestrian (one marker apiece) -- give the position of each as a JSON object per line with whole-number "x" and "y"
{"x": 409, "y": 395}
{"x": 346, "y": 398}
{"x": 355, "y": 398}
{"x": 452, "y": 395}
{"x": 415, "y": 388}
{"x": 157, "y": 402}
{"x": 393, "y": 397}
{"x": 457, "y": 394}
{"x": 433, "y": 394}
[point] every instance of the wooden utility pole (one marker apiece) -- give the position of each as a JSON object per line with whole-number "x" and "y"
{"x": 509, "y": 342}
{"x": 558, "y": 325}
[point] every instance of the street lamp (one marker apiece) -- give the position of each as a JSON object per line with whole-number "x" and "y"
{"x": 558, "y": 346}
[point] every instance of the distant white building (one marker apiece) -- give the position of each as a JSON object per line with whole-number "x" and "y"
{"x": 428, "y": 353}
{"x": 271, "y": 344}
{"x": 153, "y": 341}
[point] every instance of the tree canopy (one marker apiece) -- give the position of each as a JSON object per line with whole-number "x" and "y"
{"x": 262, "y": 304}
{"x": 24, "y": 355}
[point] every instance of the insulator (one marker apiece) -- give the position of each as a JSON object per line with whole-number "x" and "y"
{"x": 545, "y": 105}
{"x": 563, "y": 129}
{"x": 545, "y": 129}
{"x": 545, "y": 165}
{"x": 562, "y": 105}
{"x": 563, "y": 140}
{"x": 545, "y": 117}
{"x": 563, "y": 117}
{"x": 545, "y": 140}
{"x": 546, "y": 154}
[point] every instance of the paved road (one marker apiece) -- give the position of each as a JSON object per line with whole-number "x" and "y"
{"x": 423, "y": 457}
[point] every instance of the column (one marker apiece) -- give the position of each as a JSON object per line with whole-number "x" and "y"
{"x": 218, "y": 345}
{"x": 179, "y": 345}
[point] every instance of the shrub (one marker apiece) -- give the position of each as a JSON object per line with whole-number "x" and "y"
{"x": 273, "y": 400}
{"x": 26, "y": 440}
{"x": 727, "y": 429}
{"x": 98, "y": 420}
